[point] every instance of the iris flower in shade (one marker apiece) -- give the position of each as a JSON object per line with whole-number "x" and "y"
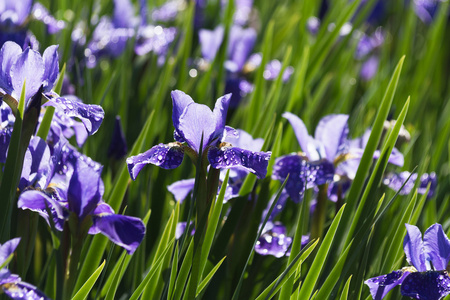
{"x": 118, "y": 146}
{"x": 83, "y": 198}
{"x": 396, "y": 180}
{"x": 427, "y": 278}
{"x": 426, "y": 9}
{"x": 274, "y": 240}
{"x": 181, "y": 189}
{"x": 11, "y": 284}
{"x": 17, "y": 67}
{"x": 196, "y": 124}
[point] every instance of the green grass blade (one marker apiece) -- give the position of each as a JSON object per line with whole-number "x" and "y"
{"x": 184, "y": 272}
{"x": 116, "y": 280}
{"x": 173, "y": 273}
{"x": 208, "y": 277}
{"x": 344, "y": 293}
{"x": 87, "y": 286}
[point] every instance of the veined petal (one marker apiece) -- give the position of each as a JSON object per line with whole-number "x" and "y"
{"x": 29, "y": 67}
{"x": 168, "y": 156}
{"x": 91, "y": 115}
{"x": 414, "y": 248}
{"x": 8, "y": 55}
{"x": 332, "y": 131}
{"x": 430, "y": 285}
{"x": 181, "y": 189}
{"x": 379, "y": 286}
{"x": 196, "y": 121}
{"x": 295, "y": 166}
{"x": 38, "y": 201}
{"x": 231, "y": 135}
{"x": 7, "y": 248}
{"x": 437, "y": 246}
{"x": 51, "y": 63}
{"x": 228, "y": 157}
{"x": 241, "y": 43}
{"x": 124, "y": 231}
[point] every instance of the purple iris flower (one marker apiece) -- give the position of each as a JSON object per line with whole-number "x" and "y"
{"x": 6, "y": 126}
{"x": 427, "y": 278}
{"x": 366, "y": 50}
{"x": 17, "y": 66}
{"x": 195, "y": 124}
{"x": 426, "y": 9}
{"x": 274, "y": 240}
{"x": 11, "y": 284}
{"x": 181, "y": 189}
{"x": 82, "y": 196}
{"x": 396, "y": 180}
{"x": 14, "y": 18}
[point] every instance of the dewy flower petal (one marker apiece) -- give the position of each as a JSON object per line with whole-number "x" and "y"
{"x": 430, "y": 285}
{"x": 20, "y": 290}
{"x": 8, "y": 55}
{"x": 168, "y": 156}
{"x": 228, "y": 157}
{"x": 379, "y": 286}
{"x": 437, "y": 246}
{"x": 51, "y": 63}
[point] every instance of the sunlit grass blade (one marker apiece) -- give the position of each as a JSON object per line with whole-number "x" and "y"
{"x": 344, "y": 293}
{"x": 208, "y": 277}
{"x": 116, "y": 280}
{"x": 173, "y": 273}
{"x": 87, "y": 286}
{"x": 184, "y": 272}
{"x": 296, "y": 94}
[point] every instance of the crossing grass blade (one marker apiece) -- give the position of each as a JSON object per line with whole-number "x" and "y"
{"x": 87, "y": 286}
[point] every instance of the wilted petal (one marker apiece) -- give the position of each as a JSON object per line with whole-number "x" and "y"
{"x": 168, "y": 156}
{"x": 414, "y": 248}
{"x": 437, "y": 246}
{"x": 124, "y": 231}
{"x": 196, "y": 121}
{"x": 51, "y": 63}
{"x": 29, "y": 67}
{"x": 181, "y": 189}
{"x": 379, "y": 286}
{"x": 430, "y": 285}
{"x": 91, "y": 115}
{"x": 210, "y": 41}
{"x": 332, "y": 131}
{"x": 228, "y": 157}
{"x": 23, "y": 291}
{"x": 7, "y": 248}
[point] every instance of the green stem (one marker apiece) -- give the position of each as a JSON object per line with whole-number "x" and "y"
{"x": 319, "y": 213}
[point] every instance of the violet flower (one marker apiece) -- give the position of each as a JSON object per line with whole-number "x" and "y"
{"x": 367, "y": 50}
{"x": 427, "y": 278}
{"x": 426, "y": 9}
{"x": 396, "y": 180}
{"x": 196, "y": 124}
{"x": 11, "y": 284}
{"x": 82, "y": 195}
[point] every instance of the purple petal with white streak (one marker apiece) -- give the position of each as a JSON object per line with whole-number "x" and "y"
{"x": 437, "y": 246}
{"x": 414, "y": 248}
{"x": 332, "y": 131}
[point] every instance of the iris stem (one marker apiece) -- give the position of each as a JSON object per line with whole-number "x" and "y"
{"x": 319, "y": 213}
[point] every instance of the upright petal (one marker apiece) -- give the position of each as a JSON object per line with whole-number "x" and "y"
{"x": 8, "y": 55}
{"x": 437, "y": 246}
{"x": 414, "y": 248}
{"x": 28, "y": 67}
{"x": 228, "y": 157}
{"x": 125, "y": 231}
{"x": 91, "y": 115}
{"x": 332, "y": 131}
{"x": 379, "y": 286}
{"x": 181, "y": 189}
{"x": 220, "y": 114}
{"x": 179, "y": 101}
{"x": 241, "y": 45}
{"x": 123, "y": 14}
{"x": 430, "y": 285}
{"x": 168, "y": 156}
{"x": 51, "y": 62}
{"x": 196, "y": 121}
{"x": 306, "y": 142}
{"x": 210, "y": 41}
{"x": 7, "y": 249}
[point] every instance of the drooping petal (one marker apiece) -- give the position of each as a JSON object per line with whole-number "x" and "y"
{"x": 295, "y": 166}
{"x": 181, "y": 189}
{"x": 7, "y": 248}
{"x": 220, "y": 115}
{"x": 379, "y": 286}
{"x": 124, "y": 231}
{"x": 168, "y": 156}
{"x": 437, "y": 246}
{"x": 179, "y": 102}
{"x": 332, "y": 131}
{"x": 29, "y": 67}
{"x": 430, "y": 285}
{"x": 84, "y": 191}
{"x": 21, "y": 290}
{"x": 91, "y": 115}
{"x": 51, "y": 63}
{"x": 274, "y": 241}
{"x": 414, "y": 248}
{"x": 38, "y": 201}
{"x": 210, "y": 41}
{"x": 228, "y": 157}
{"x": 196, "y": 121}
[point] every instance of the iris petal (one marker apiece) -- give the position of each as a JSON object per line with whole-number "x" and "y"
{"x": 379, "y": 286}
{"x": 431, "y": 285}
